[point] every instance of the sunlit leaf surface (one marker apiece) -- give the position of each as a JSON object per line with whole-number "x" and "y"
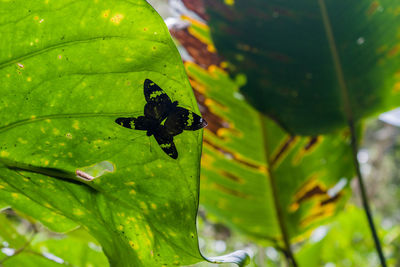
{"x": 68, "y": 69}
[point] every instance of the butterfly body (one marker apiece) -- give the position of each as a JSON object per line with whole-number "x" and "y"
{"x": 163, "y": 118}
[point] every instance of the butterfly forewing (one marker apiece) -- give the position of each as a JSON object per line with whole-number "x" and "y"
{"x": 158, "y": 102}
{"x": 139, "y": 123}
{"x": 126, "y": 122}
{"x": 154, "y": 94}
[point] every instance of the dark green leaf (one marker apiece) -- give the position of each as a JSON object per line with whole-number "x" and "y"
{"x": 283, "y": 49}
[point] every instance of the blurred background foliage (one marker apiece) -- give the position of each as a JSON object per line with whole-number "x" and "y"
{"x": 341, "y": 240}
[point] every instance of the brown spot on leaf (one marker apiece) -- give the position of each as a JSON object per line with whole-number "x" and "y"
{"x": 308, "y": 148}
{"x": 315, "y": 191}
{"x": 283, "y": 150}
{"x": 331, "y": 199}
{"x": 233, "y": 156}
{"x": 231, "y": 191}
{"x": 214, "y": 121}
{"x": 323, "y": 206}
{"x": 197, "y": 6}
{"x": 321, "y": 211}
{"x": 313, "y": 141}
{"x": 197, "y": 50}
{"x": 232, "y": 177}
{"x": 311, "y": 187}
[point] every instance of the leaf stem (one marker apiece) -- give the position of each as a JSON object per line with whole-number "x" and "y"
{"x": 274, "y": 188}
{"x": 364, "y": 198}
{"x": 350, "y": 121}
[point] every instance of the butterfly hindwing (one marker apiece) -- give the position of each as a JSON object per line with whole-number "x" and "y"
{"x": 180, "y": 119}
{"x": 166, "y": 142}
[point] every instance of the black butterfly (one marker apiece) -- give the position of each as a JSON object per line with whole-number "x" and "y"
{"x": 163, "y": 118}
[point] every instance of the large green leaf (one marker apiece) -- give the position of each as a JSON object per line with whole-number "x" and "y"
{"x": 292, "y": 73}
{"x": 243, "y": 149}
{"x": 68, "y": 69}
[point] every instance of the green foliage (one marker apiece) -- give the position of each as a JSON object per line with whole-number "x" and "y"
{"x": 25, "y": 245}
{"x": 68, "y": 69}
{"x": 283, "y": 49}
